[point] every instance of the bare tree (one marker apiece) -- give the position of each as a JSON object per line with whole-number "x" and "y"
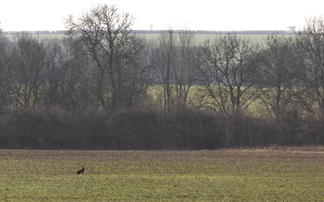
{"x": 230, "y": 73}
{"x": 174, "y": 62}
{"x": 53, "y": 58}
{"x": 164, "y": 62}
{"x": 185, "y": 71}
{"x": 310, "y": 42}
{"x": 107, "y": 36}
{"x": 7, "y": 64}
{"x": 277, "y": 66}
{"x": 30, "y": 58}
{"x": 68, "y": 74}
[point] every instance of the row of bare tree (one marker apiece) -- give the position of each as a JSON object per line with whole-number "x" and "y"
{"x": 103, "y": 63}
{"x": 103, "y": 86}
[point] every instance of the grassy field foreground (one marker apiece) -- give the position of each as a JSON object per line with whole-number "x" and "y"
{"x": 287, "y": 174}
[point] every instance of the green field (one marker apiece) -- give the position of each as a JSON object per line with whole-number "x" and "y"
{"x": 296, "y": 174}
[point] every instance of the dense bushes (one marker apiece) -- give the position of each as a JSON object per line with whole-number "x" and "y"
{"x": 148, "y": 129}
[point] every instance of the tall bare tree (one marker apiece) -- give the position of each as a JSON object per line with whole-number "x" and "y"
{"x": 30, "y": 61}
{"x": 7, "y": 65}
{"x": 310, "y": 42}
{"x": 107, "y": 36}
{"x": 230, "y": 73}
{"x": 174, "y": 62}
{"x": 164, "y": 62}
{"x": 68, "y": 75}
{"x": 278, "y": 61}
{"x": 185, "y": 71}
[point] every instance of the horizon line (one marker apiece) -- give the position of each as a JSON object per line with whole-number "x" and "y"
{"x": 159, "y": 31}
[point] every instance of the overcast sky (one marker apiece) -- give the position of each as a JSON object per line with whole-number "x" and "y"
{"x": 224, "y": 15}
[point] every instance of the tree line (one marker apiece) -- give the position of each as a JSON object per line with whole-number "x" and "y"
{"x": 104, "y": 86}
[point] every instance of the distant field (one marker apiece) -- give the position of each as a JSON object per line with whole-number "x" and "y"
{"x": 287, "y": 174}
{"x": 198, "y": 38}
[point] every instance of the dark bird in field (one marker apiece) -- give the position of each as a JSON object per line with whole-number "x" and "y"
{"x": 80, "y": 171}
